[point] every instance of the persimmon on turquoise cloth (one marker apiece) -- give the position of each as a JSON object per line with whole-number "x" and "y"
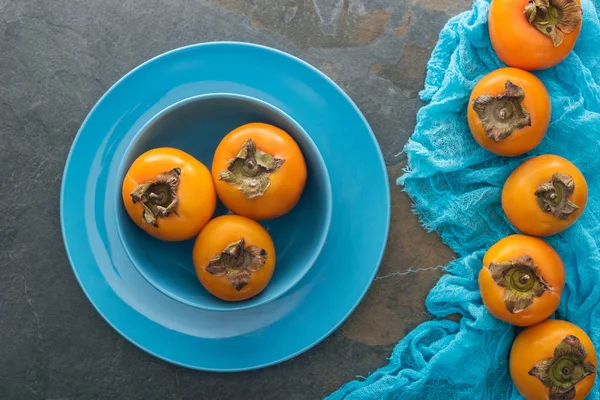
{"x": 456, "y": 188}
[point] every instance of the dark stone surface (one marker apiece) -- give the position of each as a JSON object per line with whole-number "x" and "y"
{"x": 58, "y": 57}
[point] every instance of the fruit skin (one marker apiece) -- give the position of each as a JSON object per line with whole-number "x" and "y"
{"x": 286, "y": 183}
{"x": 520, "y": 204}
{"x": 196, "y": 193}
{"x": 215, "y": 236}
{"x": 537, "y": 343}
{"x": 536, "y": 101}
{"x": 519, "y": 44}
{"x": 550, "y": 267}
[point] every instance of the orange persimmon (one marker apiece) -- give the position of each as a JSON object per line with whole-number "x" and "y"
{"x": 544, "y": 195}
{"x": 259, "y": 171}
{"x": 234, "y": 257}
{"x": 509, "y": 111}
{"x": 169, "y": 194}
{"x": 534, "y": 34}
{"x": 522, "y": 280}
{"x": 553, "y": 360}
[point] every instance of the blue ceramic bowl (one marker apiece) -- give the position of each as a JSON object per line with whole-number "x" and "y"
{"x": 196, "y": 125}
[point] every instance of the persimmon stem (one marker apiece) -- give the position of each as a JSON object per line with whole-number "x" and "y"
{"x": 553, "y": 196}
{"x": 237, "y": 262}
{"x": 520, "y": 281}
{"x": 250, "y": 170}
{"x": 159, "y": 197}
{"x": 554, "y": 18}
{"x": 503, "y": 114}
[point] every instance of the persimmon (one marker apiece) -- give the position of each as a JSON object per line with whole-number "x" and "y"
{"x": 522, "y": 280}
{"x": 509, "y": 111}
{"x": 544, "y": 195}
{"x": 553, "y": 360}
{"x": 534, "y": 34}
{"x": 234, "y": 257}
{"x": 169, "y": 194}
{"x": 259, "y": 171}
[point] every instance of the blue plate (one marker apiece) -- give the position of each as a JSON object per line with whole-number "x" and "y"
{"x": 240, "y": 339}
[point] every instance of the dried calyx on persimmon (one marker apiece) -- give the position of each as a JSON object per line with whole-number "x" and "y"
{"x": 501, "y": 115}
{"x": 554, "y": 18}
{"x": 521, "y": 281}
{"x": 250, "y": 170}
{"x": 237, "y": 262}
{"x": 553, "y": 196}
{"x": 159, "y": 197}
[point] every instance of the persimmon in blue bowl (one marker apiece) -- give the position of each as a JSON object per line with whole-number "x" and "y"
{"x": 196, "y": 126}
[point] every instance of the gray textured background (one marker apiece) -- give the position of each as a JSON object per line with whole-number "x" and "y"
{"x": 57, "y": 58}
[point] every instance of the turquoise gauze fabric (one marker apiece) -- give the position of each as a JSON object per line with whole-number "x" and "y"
{"x": 456, "y": 187}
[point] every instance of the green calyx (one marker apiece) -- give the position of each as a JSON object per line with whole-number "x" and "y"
{"x": 521, "y": 282}
{"x": 237, "y": 262}
{"x": 503, "y": 114}
{"x": 159, "y": 197}
{"x": 521, "y": 279}
{"x": 553, "y": 196}
{"x": 565, "y": 369}
{"x": 250, "y": 170}
{"x": 554, "y": 18}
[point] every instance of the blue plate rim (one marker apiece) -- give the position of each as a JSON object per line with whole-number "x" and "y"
{"x": 386, "y": 187}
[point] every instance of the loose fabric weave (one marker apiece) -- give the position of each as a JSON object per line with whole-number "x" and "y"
{"x": 456, "y": 187}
